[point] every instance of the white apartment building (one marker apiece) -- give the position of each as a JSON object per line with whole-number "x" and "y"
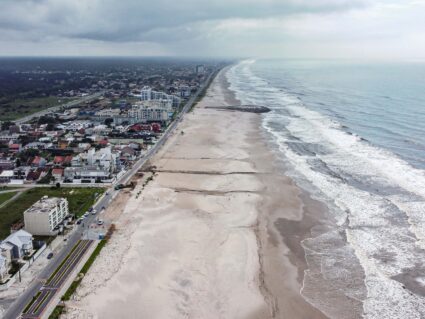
{"x": 151, "y": 111}
{"x": 43, "y": 217}
{"x": 147, "y": 94}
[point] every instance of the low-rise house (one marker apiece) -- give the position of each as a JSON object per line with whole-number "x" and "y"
{"x": 6, "y": 176}
{"x": 43, "y": 217}
{"x": 35, "y": 145}
{"x": 87, "y": 174}
{"x": 62, "y": 160}
{"x": 57, "y": 173}
{"x": 15, "y": 148}
{"x": 33, "y": 175}
{"x": 108, "y": 113}
{"x": 6, "y": 164}
{"x": 128, "y": 154}
{"x": 17, "y": 245}
{"x": 20, "y": 173}
{"x": 38, "y": 161}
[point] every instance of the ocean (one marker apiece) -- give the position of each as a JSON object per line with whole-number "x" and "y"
{"x": 352, "y": 134}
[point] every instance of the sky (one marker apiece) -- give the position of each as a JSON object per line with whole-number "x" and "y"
{"x": 365, "y": 29}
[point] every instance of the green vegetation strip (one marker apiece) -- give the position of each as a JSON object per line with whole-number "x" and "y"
{"x": 57, "y": 312}
{"x": 80, "y": 200}
{"x": 6, "y": 196}
{"x": 84, "y": 270}
{"x": 12, "y": 110}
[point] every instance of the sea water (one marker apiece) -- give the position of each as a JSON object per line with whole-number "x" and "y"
{"x": 353, "y": 135}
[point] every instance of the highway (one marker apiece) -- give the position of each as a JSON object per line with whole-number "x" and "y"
{"x": 16, "y": 309}
{"x": 58, "y": 108}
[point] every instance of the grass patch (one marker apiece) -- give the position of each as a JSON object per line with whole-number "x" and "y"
{"x": 24, "y": 107}
{"x": 80, "y": 200}
{"x": 6, "y": 196}
{"x": 57, "y": 312}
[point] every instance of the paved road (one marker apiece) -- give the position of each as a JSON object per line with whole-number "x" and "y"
{"x": 59, "y": 107}
{"x": 48, "y": 291}
{"x": 19, "y": 305}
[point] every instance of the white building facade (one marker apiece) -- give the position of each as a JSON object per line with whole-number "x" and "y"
{"x": 45, "y": 215}
{"x": 152, "y": 111}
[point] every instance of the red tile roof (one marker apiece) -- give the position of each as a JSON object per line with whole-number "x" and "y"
{"x": 57, "y": 171}
{"x": 58, "y": 159}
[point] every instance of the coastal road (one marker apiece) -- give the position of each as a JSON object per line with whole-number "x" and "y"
{"x": 57, "y": 108}
{"x": 48, "y": 291}
{"x": 16, "y": 309}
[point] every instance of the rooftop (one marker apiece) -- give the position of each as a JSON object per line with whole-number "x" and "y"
{"x": 44, "y": 205}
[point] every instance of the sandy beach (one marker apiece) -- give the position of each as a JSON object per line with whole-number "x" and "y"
{"x": 215, "y": 234}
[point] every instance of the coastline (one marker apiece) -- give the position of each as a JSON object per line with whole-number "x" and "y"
{"x": 204, "y": 239}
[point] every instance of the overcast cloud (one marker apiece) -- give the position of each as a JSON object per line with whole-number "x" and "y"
{"x": 272, "y": 28}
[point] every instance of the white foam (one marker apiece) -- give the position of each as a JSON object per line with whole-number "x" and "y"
{"x": 379, "y": 225}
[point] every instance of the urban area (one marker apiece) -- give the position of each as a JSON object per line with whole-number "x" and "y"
{"x": 75, "y": 135}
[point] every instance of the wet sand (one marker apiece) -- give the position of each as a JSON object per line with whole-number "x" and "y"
{"x": 216, "y": 234}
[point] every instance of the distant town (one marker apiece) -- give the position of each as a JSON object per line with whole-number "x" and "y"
{"x": 121, "y": 116}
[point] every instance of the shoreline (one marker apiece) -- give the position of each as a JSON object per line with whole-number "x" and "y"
{"x": 224, "y": 255}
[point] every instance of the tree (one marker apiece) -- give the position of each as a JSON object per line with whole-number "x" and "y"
{"x": 109, "y": 121}
{"x": 58, "y": 185}
{"x": 6, "y": 124}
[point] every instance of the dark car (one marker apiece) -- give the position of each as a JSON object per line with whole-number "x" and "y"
{"x": 49, "y": 256}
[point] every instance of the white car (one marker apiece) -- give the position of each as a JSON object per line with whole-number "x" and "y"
{"x": 94, "y": 212}
{"x": 100, "y": 222}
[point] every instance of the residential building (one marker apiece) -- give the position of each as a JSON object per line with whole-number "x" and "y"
{"x": 87, "y": 174}
{"x": 4, "y": 267}
{"x": 147, "y": 94}
{"x": 57, "y": 173}
{"x": 17, "y": 245}
{"x": 6, "y": 176}
{"x": 200, "y": 69}
{"x": 38, "y": 161}
{"x": 6, "y": 164}
{"x": 151, "y": 111}
{"x": 104, "y": 158}
{"x": 43, "y": 217}
{"x": 108, "y": 113}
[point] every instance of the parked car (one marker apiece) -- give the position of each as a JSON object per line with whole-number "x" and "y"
{"x": 100, "y": 222}
{"x": 94, "y": 211}
{"x": 49, "y": 256}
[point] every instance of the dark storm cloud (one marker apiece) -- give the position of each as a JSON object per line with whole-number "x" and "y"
{"x": 122, "y": 21}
